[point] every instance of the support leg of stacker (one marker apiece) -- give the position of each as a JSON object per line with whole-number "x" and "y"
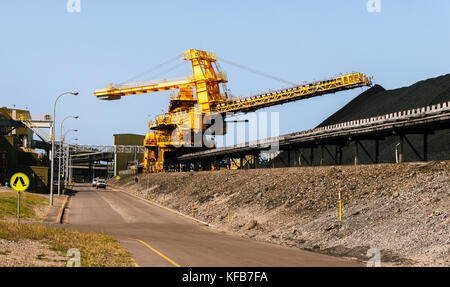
{"x": 425, "y": 147}
{"x": 400, "y": 156}
{"x": 413, "y": 148}
{"x": 334, "y": 158}
{"x": 377, "y": 151}
{"x": 289, "y": 157}
{"x": 366, "y": 152}
{"x": 321, "y": 155}
{"x": 339, "y": 154}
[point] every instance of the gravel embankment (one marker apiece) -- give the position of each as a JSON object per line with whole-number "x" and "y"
{"x": 403, "y": 210}
{"x": 29, "y": 253}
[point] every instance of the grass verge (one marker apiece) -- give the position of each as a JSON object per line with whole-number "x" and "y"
{"x": 97, "y": 250}
{"x": 29, "y": 202}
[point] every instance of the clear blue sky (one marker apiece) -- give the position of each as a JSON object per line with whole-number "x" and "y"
{"x": 45, "y": 51}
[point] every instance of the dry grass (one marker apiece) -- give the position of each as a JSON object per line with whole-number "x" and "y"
{"x": 96, "y": 250}
{"x": 29, "y": 204}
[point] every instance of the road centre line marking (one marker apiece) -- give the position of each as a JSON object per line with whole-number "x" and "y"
{"x": 159, "y": 253}
{"x": 135, "y": 263}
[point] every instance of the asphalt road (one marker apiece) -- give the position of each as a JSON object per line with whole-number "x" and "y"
{"x": 157, "y": 237}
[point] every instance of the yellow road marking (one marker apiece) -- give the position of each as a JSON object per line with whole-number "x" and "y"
{"x": 159, "y": 253}
{"x": 135, "y": 263}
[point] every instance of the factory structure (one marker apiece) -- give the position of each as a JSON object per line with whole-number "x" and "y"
{"x": 378, "y": 126}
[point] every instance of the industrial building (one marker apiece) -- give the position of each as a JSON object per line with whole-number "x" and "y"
{"x": 19, "y": 151}
{"x": 106, "y": 161}
{"x": 126, "y": 161}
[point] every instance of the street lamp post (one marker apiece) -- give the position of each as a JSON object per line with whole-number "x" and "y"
{"x": 69, "y": 163}
{"x": 65, "y": 154}
{"x": 52, "y": 156}
{"x": 61, "y": 147}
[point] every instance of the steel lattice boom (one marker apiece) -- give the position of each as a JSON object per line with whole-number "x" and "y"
{"x": 188, "y": 106}
{"x": 295, "y": 93}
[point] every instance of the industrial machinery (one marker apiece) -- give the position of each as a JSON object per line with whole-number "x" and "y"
{"x": 190, "y": 112}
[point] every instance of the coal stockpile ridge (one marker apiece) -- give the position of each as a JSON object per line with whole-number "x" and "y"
{"x": 378, "y": 101}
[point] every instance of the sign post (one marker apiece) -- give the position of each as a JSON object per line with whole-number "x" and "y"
{"x": 19, "y": 182}
{"x": 340, "y": 205}
{"x": 18, "y": 207}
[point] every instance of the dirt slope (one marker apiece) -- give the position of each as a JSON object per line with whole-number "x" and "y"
{"x": 403, "y": 210}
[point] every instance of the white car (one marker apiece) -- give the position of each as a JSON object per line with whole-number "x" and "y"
{"x": 94, "y": 182}
{"x": 101, "y": 183}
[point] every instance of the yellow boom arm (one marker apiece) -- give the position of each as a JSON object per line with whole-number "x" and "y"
{"x": 295, "y": 93}
{"x": 115, "y": 92}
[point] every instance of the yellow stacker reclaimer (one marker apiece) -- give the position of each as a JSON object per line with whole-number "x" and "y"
{"x": 199, "y": 96}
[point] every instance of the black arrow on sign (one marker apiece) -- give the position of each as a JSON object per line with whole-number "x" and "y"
{"x": 21, "y": 181}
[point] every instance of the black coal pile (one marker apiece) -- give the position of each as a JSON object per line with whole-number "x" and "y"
{"x": 378, "y": 101}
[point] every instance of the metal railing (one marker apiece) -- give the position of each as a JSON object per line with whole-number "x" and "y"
{"x": 107, "y": 148}
{"x": 112, "y": 86}
{"x": 41, "y": 117}
{"x": 40, "y": 132}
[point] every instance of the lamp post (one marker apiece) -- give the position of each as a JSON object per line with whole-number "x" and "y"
{"x": 52, "y": 156}
{"x": 65, "y": 156}
{"x": 61, "y": 146}
{"x": 69, "y": 163}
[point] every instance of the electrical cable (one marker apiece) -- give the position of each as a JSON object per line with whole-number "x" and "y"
{"x": 166, "y": 71}
{"x": 150, "y": 70}
{"x": 255, "y": 71}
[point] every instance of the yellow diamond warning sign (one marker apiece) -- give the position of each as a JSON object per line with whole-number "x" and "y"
{"x": 19, "y": 181}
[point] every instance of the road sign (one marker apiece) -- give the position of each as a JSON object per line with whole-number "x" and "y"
{"x": 20, "y": 181}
